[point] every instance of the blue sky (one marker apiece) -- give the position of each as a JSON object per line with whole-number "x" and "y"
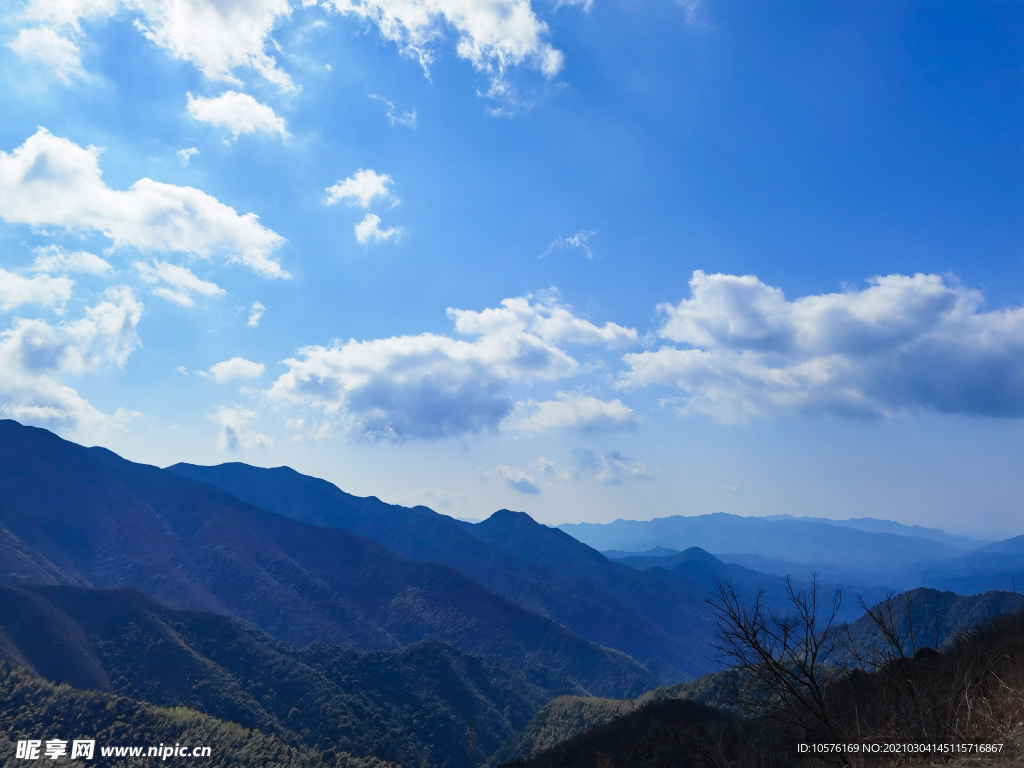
{"x": 588, "y": 260}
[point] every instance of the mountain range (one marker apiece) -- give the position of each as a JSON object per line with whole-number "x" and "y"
{"x": 863, "y": 553}
{"x": 664, "y": 626}
{"x": 801, "y": 541}
{"x": 334, "y": 628}
{"x": 85, "y": 516}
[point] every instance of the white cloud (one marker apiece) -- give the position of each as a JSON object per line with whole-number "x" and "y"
{"x": 217, "y": 37}
{"x": 255, "y": 314}
{"x": 612, "y": 468}
{"x": 46, "y": 47}
{"x": 50, "y": 181}
{"x": 183, "y": 283}
{"x": 369, "y": 229}
{"x": 236, "y": 430}
{"x": 617, "y": 469}
{"x": 432, "y": 386}
{"x": 236, "y": 368}
{"x": 362, "y": 188}
{"x": 238, "y": 112}
{"x": 187, "y": 154}
{"x": 493, "y": 34}
{"x": 579, "y": 240}
{"x": 903, "y": 343}
{"x": 408, "y": 119}
{"x": 439, "y": 499}
{"x": 16, "y": 290}
{"x": 545, "y": 465}
{"x": 572, "y": 411}
{"x": 517, "y": 479}
{"x": 545, "y": 318}
{"x": 53, "y": 258}
{"x": 693, "y": 10}
{"x": 35, "y": 356}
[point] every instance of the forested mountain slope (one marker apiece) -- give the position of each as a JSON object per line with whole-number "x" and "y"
{"x": 413, "y": 705}
{"x": 85, "y": 515}
{"x": 34, "y": 708}
{"x": 538, "y": 567}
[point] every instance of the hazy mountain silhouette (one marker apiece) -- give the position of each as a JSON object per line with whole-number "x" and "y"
{"x": 794, "y": 540}
{"x": 875, "y": 525}
{"x": 101, "y": 520}
{"x": 701, "y": 573}
{"x": 998, "y": 566}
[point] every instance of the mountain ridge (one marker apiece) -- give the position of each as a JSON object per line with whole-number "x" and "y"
{"x": 199, "y": 547}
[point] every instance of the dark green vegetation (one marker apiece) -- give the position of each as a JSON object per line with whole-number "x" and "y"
{"x": 659, "y": 623}
{"x": 568, "y": 716}
{"x": 969, "y": 691}
{"x": 34, "y": 708}
{"x": 413, "y": 705}
{"x": 671, "y": 732}
{"x": 85, "y": 516}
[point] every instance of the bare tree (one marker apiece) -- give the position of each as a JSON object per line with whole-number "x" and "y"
{"x": 784, "y": 660}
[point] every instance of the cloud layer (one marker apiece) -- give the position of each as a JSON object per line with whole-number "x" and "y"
{"x": 492, "y": 34}
{"x": 176, "y": 283}
{"x": 50, "y": 181}
{"x": 517, "y": 479}
{"x": 44, "y": 46}
{"x": 36, "y": 356}
{"x": 236, "y": 368}
{"x": 16, "y": 290}
{"x": 572, "y": 411}
{"x": 903, "y": 343}
{"x": 238, "y": 112}
{"x": 217, "y": 37}
{"x": 369, "y": 230}
{"x": 432, "y": 386}
{"x": 361, "y": 188}
{"x": 236, "y": 429}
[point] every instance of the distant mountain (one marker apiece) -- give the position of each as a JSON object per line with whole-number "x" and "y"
{"x": 88, "y": 516}
{"x": 874, "y": 525}
{"x": 701, "y": 573}
{"x": 793, "y": 540}
{"x": 675, "y": 609}
{"x": 853, "y": 577}
{"x": 998, "y": 566}
{"x": 34, "y": 708}
{"x": 646, "y": 561}
{"x": 538, "y": 567}
{"x": 413, "y": 705}
{"x": 1014, "y": 546}
{"x": 618, "y": 554}
{"x": 929, "y": 617}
